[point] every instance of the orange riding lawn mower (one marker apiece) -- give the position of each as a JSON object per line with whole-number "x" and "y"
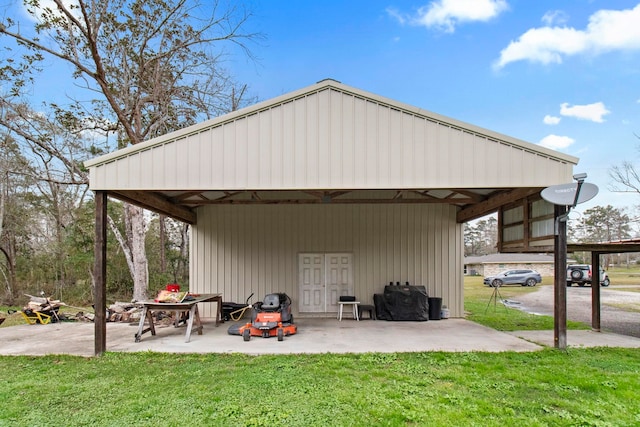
{"x": 270, "y": 318}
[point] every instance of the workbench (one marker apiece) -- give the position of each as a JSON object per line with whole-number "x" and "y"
{"x": 186, "y": 311}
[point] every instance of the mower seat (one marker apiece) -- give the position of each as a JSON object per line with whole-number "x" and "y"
{"x": 271, "y": 302}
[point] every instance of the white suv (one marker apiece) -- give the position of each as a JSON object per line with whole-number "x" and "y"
{"x": 581, "y": 274}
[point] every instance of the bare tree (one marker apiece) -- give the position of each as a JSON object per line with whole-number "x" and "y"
{"x": 43, "y": 180}
{"x": 626, "y": 177}
{"x": 8, "y": 157}
{"x": 151, "y": 66}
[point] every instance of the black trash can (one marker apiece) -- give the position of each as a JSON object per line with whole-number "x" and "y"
{"x": 435, "y": 308}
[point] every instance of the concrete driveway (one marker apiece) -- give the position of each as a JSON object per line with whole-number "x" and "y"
{"x": 314, "y": 336}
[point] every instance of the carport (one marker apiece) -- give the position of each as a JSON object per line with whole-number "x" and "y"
{"x": 597, "y": 249}
{"x": 330, "y": 190}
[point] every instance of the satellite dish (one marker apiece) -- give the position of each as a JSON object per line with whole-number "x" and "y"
{"x": 565, "y": 194}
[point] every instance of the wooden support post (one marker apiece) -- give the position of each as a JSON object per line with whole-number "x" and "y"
{"x": 595, "y": 291}
{"x": 560, "y": 278}
{"x": 100, "y": 273}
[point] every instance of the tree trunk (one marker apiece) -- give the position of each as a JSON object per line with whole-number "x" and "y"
{"x": 184, "y": 250}
{"x": 10, "y": 280}
{"x": 136, "y": 231}
{"x": 163, "y": 234}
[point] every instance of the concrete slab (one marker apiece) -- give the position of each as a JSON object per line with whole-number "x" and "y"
{"x": 314, "y": 336}
{"x": 578, "y": 339}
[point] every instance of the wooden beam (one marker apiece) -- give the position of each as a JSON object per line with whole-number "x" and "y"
{"x": 188, "y": 194}
{"x": 493, "y": 202}
{"x": 529, "y": 250}
{"x": 100, "y": 274}
{"x": 475, "y": 196}
{"x": 335, "y": 194}
{"x": 425, "y": 194}
{"x": 156, "y": 203}
{"x": 319, "y": 201}
{"x": 595, "y": 291}
{"x": 604, "y": 248}
{"x": 560, "y": 279}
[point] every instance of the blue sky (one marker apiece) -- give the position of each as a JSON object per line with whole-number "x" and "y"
{"x": 565, "y": 74}
{"x": 562, "y": 73}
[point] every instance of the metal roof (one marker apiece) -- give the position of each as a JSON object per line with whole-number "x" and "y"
{"x": 613, "y": 247}
{"x": 329, "y": 143}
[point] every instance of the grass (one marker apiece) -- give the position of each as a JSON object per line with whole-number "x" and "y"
{"x": 480, "y": 308}
{"x": 586, "y": 387}
{"x": 577, "y": 387}
{"x": 627, "y": 277}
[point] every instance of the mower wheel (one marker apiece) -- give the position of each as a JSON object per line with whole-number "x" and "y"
{"x": 280, "y": 334}
{"x": 246, "y": 335}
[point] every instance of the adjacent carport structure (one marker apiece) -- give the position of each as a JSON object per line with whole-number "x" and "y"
{"x": 331, "y": 190}
{"x": 597, "y": 249}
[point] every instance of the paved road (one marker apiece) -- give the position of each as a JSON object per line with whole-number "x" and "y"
{"x": 613, "y": 318}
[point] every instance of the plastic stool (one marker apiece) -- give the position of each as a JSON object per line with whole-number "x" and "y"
{"x": 354, "y": 306}
{"x": 364, "y": 308}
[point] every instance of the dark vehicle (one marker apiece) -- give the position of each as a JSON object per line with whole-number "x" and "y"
{"x": 581, "y": 274}
{"x": 514, "y": 277}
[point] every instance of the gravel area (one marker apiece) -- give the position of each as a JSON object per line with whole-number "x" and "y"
{"x": 613, "y": 318}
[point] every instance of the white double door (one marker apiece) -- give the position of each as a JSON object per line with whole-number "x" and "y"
{"x": 323, "y": 278}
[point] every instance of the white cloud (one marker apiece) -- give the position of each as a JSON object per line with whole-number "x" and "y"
{"x": 551, "y": 120}
{"x": 607, "y": 30}
{"x": 394, "y": 13}
{"x": 556, "y": 142}
{"x": 545, "y": 45}
{"x": 593, "y": 112}
{"x": 556, "y": 17}
{"x": 446, "y": 14}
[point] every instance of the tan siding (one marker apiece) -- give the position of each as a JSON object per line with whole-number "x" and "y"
{"x": 237, "y": 250}
{"x": 157, "y": 155}
{"x": 288, "y": 142}
{"x": 300, "y": 149}
{"x": 252, "y": 152}
{"x": 332, "y": 138}
{"x": 408, "y": 154}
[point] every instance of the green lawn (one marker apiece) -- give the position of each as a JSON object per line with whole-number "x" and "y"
{"x": 627, "y": 277}
{"x": 586, "y": 387}
{"x": 577, "y": 387}
{"x": 480, "y": 307}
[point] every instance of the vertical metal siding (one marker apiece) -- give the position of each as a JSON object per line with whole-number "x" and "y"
{"x": 288, "y": 142}
{"x": 242, "y": 249}
{"x": 332, "y": 139}
{"x": 253, "y": 153}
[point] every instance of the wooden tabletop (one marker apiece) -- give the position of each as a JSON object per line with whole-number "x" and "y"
{"x": 184, "y": 305}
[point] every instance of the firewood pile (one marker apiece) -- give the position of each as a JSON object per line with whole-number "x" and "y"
{"x": 51, "y": 309}
{"x": 127, "y": 312}
{"x": 42, "y": 304}
{"x": 130, "y": 312}
{"x": 37, "y": 306}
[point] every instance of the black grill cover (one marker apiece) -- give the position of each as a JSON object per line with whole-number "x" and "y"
{"x": 402, "y": 303}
